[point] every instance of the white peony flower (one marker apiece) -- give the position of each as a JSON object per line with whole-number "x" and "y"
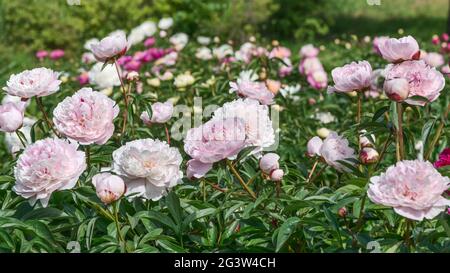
{"x": 105, "y": 78}
{"x": 139, "y": 33}
{"x": 165, "y": 23}
{"x": 179, "y": 40}
{"x": 203, "y": 53}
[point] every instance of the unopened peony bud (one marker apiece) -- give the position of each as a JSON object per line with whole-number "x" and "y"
{"x": 275, "y": 43}
{"x": 342, "y": 212}
{"x": 276, "y": 175}
{"x": 108, "y": 187}
{"x": 313, "y": 146}
{"x": 161, "y": 113}
{"x": 323, "y": 132}
{"x": 269, "y": 162}
{"x": 11, "y": 116}
{"x": 397, "y": 89}
{"x": 365, "y": 141}
{"x": 368, "y": 155}
{"x": 155, "y": 82}
{"x": 312, "y": 101}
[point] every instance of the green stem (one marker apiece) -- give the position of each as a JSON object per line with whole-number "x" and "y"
{"x": 125, "y": 97}
{"x": 88, "y": 157}
{"x": 438, "y": 133}
{"x": 116, "y": 221}
{"x": 400, "y": 144}
{"x": 21, "y": 140}
{"x": 47, "y": 120}
{"x": 241, "y": 181}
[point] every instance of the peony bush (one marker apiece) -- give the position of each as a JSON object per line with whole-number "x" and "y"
{"x": 155, "y": 141}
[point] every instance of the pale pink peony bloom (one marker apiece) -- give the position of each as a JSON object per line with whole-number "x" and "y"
{"x": 445, "y": 69}
{"x": 413, "y": 188}
{"x": 269, "y": 163}
{"x": 88, "y": 58}
{"x": 313, "y": 146}
{"x": 197, "y": 169}
{"x": 113, "y": 46}
{"x": 318, "y": 79}
{"x": 38, "y": 82}
{"x": 377, "y": 41}
{"x": 149, "y": 167}
{"x": 216, "y": 140}
{"x": 258, "y": 126}
{"x": 308, "y": 51}
{"x": 11, "y": 116}
{"x": 336, "y": 148}
{"x": 86, "y": 117}
{"x": 309, "y": 65}
{"x": 253, "y": 90}
{"x": 273, "y": 86}
{"x": 424, "y": 81}
{"x": 161, "y": 113}
{"x": 280, "y": 52}
{"x": 83, "y": 78}
{"x": 434, "y": 59}
{"x": 286, "y": 68}
{"x": 277, "y": 175}
{"x": 397, "y": 50}
{"x": 108, "y": 187}
{"x": 57, "y": 54}
{"x": 396, "y": 89}
{"x": 46, "y": 166}
{"x": 355, "y": 76}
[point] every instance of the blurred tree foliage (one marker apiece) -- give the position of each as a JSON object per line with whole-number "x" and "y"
{"x": 36, "y": 24}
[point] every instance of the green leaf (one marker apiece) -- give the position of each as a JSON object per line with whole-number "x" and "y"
{"x": 285, "y": 231}
{"x": 173, "y": 204}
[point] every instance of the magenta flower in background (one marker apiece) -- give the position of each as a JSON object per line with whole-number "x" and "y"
{"x": 133, "y": 65}
{"x": 57, "y": 54}
{"x": 355, "y": 76}
{"x": 83, "y": 78}
{"x": 124, "y": 59}
{"x": 149, "y": 42}
{"x": 444, "y": 159}
{"x": 445, "y": 37}
{"x": 41, "y": 54}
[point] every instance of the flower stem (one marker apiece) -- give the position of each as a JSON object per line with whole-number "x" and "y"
{"x": 88, "y": 157}
{"x": 47, "y": 120}
{"x": 125, "y": 96}
{"x": 167, "y": 134}
{"x": 312, "y": 171}
{"x": 438, "y": 134}
{"x": 19, "y": 135}
{"x": 400, "y": 144}
{"x": 241, "y": 181}
{"x": 116, "y": 220}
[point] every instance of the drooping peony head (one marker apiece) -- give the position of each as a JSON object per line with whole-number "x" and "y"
{"x": 86, "y": 117}
{"x": 253, "y": 90}
{"x": 112, "y": 46}
{"x": 38, "y": 82}
{"x": 11, "y": 116}
{"x": 108, "y": 187}
{"x": 355, "y": 76}
{"x": 336, "y": 148}
{"x": 413, "y": 188}
{"x": 148, "y": 167}
{"x": 258, "y": 126}
{"x": 309, "y": 51}
{"x": 46, "y": 166}
{"x": 398, "y": 50}
{"x": 318, "y": 79}
{"x": 216, "y": 140}
{"x": 444, "y": 159}
{"x": 424, "y": 81}
{"x": 313, "y": 146}
{"x": 161, "y": 113}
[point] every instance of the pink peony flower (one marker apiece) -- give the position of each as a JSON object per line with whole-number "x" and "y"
{"x": 197, "y": 169}
{"x": 396, "y": 89}
{"x": 161, "y": 113}
{"x": 11, "y": 116}
{"x": 88, "y": 58}
{"x": 216, "y": 140}
{"x": 86, "y": 117}
{"x": 269, "y": 162}
{"x": 149, "y": 42}
{"x": 309, "y": 65}
{"x": 41, "y": 54}
{"x": 149, "y": 167}
{"x": 435, "y": 40}
{"x": 57, "y": 54}
{"x": 280, "y": 52}
{"x": 445, "y": 37}
{"x": 133, "y": 65}
{"x": 413, "y": 188}
{"x": 308, "y": 51}
{"x": 313, "y": 146}
{"x": 444, "y": 159}
{"x": 277, "y": 175}
{"x": 38, "y": 82}
{"x": 253, "y": 90}
{"x": 285, "y": 70}
{"x": 351, "y": 77}
{"x": 108, "y": 187}
{"x": 368, "y": 155}
{"x": 46, "y": 166}
{"x": 318, "y": 79}
{"x": 336, "y": 148}
{"x": 434, "y": 59}
{"x": 445, "y": 69}
{"x": 113, "y": 46}
{"x": 424, "y": 80}
{"x": 124, "y": 60}
{"x": 377, "y": 41}
{"x": 83, "y": 78}
{"x": 397, "y": 50}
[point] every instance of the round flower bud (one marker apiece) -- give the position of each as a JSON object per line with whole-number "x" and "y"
{"x": 342, "y": 212}
{"x": 323, "y": 132}
{"x": 276, "y": 175}
{"x": 133, "y": 76}
{"x": 108, "y": 187}
{"x": 396, "y": 89}
{"x": 269, "y": 162}
{"x": 368, "y": 155}
{"x": 11, "y": 116}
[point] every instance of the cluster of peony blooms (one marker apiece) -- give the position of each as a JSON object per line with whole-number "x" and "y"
{"x": 312, "y": 68}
